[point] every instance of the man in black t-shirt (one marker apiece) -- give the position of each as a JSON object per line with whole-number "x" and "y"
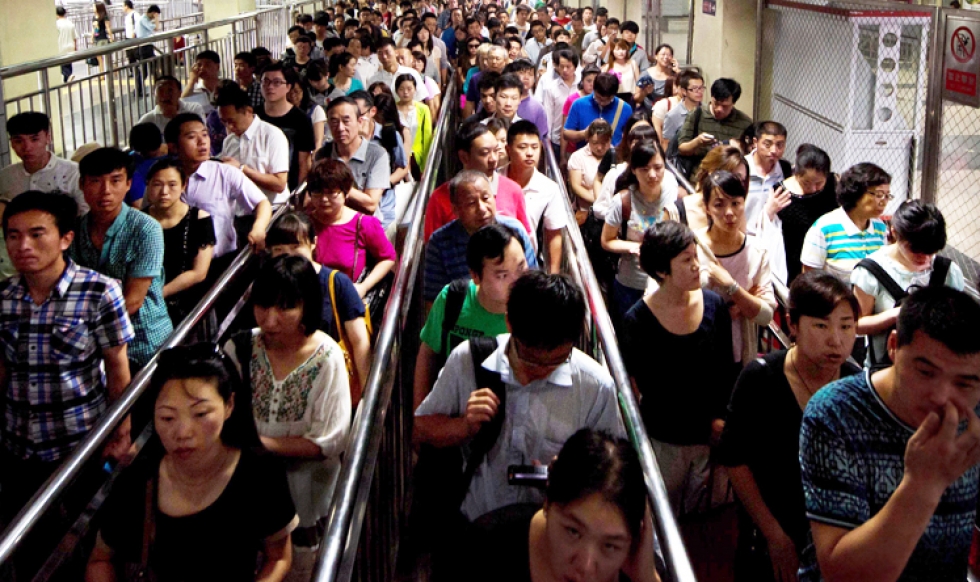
{"x": 277, "y": 81}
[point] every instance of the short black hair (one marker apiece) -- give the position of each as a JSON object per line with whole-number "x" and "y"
{"x": 817, "y": 294}
{"x": 773, "y": 128}
{"x": 60, "y": 11}
{"x": 921, "y": 225}
{"x": 153, "y": 9}
{"x": 612, "y": 20}
{"x": 28, "y": 123}
{"x": 171, "y": 133}
{"x": 385, "y": 41}
{"x": 522, "y": 127}
{"x": 405, "y": 78}
{"x": 508, "y": 81}
{"x": 106, "y": 161}
{"x": 606, "y": 84}
{"x": 295, "y": 28}
{"x": 145, "y": 138}
{"x": 946, "y": 315}
{"x": 519, "y": 66}
{"x": 305, "y": 19}
{"x": 288, "y": 73}
{"x": 630, "y": 26}
{"x": 61, "y": 206}
{"x": 469, "y": 133}
{"x": 567, "y": 54}
{"x": 208, "y": 55}
{"x": 727, "y": 182}
{"x": 167, "y": 79}
{"x": 688, "y": 75}
{"x": 662, "y": 243}
{"x": 286, "y": 282}
{"x": 343, "y": 100}
{"x": 489, "y": 243}
{"x": 303, "y": 38}
{"x": 340, "y": 60}
{"x": 292, "y": 228}
{"x": 261, "y": 51}
{"x": 247, "y": 58}
{"x": 545, "y": 311}
{"x": 167, "y": 163}
{"x": 810, "y": 157}
{"x": 855, "y": 182}
{"x": 362, "y": 95}
{"x": 234, "y": 96}
{"x": 488, "y": 80}
{"x": 724, "y": 88}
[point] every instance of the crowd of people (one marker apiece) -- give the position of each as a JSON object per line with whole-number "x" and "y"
{"x": 852, "y": 453}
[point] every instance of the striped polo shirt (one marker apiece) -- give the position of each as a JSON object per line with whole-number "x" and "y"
{"x": 836, "y": 244}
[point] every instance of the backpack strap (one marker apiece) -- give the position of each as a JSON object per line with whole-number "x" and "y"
{"x": 619, "y": 113}
{"x": 627, "y": 204}
{"x": 940, "y": 270}
{"x": 893, "y": 288}
{"x": 243, "y": 352}
{"x": 482, "y": 348}
{"x": 455, "y": 297}
{"x": 681, "y": 211}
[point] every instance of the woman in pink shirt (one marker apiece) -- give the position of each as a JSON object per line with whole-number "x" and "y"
{"x": 346, "y": 240}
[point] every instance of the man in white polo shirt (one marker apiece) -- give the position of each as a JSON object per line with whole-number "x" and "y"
{"x": 258, "y": 148}
{"x": 391, "y": 70}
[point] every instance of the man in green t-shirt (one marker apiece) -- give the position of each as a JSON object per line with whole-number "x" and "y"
{"x": 474, "y": 308}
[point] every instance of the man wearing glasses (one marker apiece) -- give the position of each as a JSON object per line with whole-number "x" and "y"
{"x": 277, "y": 81}
{"x": 692, "y": 92}
{"x": 552, "y": 390}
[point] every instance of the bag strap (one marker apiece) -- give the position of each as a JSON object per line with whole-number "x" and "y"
{"x": 149, "y": 523}
{"x": 357, "y": 248}
{"x": 681, "y": 211}
{"x": 697, "y": 121}
{"x": 341, "y": 331}
{"x": 893, "y": 288}
{"x": 619, "y": 113}
{"x": 455, "y": 297}
{"x": 482, "y": 348}
{"x": 243, "y": 351}
{"x": 940, "y": 270}
{"x": 627, "y": 205}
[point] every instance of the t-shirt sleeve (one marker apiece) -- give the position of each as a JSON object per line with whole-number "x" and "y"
{"x": 736, "y": 440}
{"x": 574, "y": 121}
{"x": 276, "y": 511}
{"x": 349, "y": 304}
{"x": 473, "y": 93}
{"x": 379, "y": 176}
{"x": 833, "y": 496}
{"x": 686, "y": 133}
{"x": 113, "y": 326}
{"x": 614, "y": 215}
{"x": 147, "y": 257}
{"x": 814, "y": 253}
{"x": 445, "y": 396}
{"x": 376, "y": 242}
{"x": 432, "y": 330}
{"x": 660, "y": 107}
{"x": 576, "y": 160}
{"x": 555, "y": 216}
{"x": 865, "y": 281}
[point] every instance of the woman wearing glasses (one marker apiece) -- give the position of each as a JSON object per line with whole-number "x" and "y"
{"x": 301, "y": 398}
{"x": 201, "y": 503}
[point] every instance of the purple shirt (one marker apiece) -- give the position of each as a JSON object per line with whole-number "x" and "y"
{"x": 533, "y": 111}
{"x": 220, "y": 189}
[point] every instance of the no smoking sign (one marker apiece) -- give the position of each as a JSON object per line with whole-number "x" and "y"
{"x": 963, "y": 45}
{"x": 961, "y": 66}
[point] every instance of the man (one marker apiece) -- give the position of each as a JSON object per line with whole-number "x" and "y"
{"x": 391, "y": 70}
{"x": 719, "y": 124}
{"x": 630, "y": 30}
{"x": 391, "y": 141}
{"x": 130, "y": 18}
{"x": 216, "y": 188}
{"x": 203, "y": 81}
{"x": 494, "y": 61}
{"x": 146, "y": 26}
{"x": 257, "y": 148}
{"x": 521, "y": 14}
{"x": 529, "y": 108}
{"x": 321, "y": 28}
{"x": 477, "y": 147}
{"x": 368, "y": 162}
{"x": 67, "y": 41}
{"x": 552, "y": 389}
{"x": 598, "y": 52}
{"x": 146, "y": 147}
{"x": 404, "y": 32}
{"x": 889, "y": 459}
{"x": 588, "y": 20}
{"x": 488, "y": 98}
{"x": 543, "y": 14}
{"x": 507, "y": 98}
{"x": 63, "y": 358}
{"x": 169, "y": 104}
{"x": 601, "y": 103}
{"x": 245, "y": 63}
{"x": 767, "y": 169}
{"x": 691, "y": 84}
{"x": 555, "y": 93}
{"x": 538, "y": 41}
{"x": 577, "y": 31}
{"x": 306, "y": 21}
{"x": 124, "y": 244}
{"x": 495, "y": 258}
{"x": 472, "y": 203}
{"x": 294, "y": 33}
{"x": 301, "y": 61}
{"x": 545, "y": 209}
{"x": 277, "y": 81}
{"x": 597, "y": 28}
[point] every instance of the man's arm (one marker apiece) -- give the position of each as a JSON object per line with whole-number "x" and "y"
{"x": 426, "y": 372}
{"x": 366, "y": 201}
{"x": 305, "y": 163}
{"x": 263, "y": 215}
{"x": 552, "y": 239}
{"x": 273, "y": 182}
{"x": 117, "y": 373}
{"x": 134, "y": 292}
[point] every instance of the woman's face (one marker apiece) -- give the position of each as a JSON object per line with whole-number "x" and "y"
{"x": 726, "y": 211}
{"x": 620, "y": 54}
{"x": 874, "y": 201}
{"x": 665, "y": 58}
{"x": 406, "y": 91}
{"x": 685, "y": 270}
{"x": 651, "y": 175}
{"x": 599, "y": 145}
{"x": 354, "y": 47}
{"x": 587, "y": 84}
{"x": 165, "y": 188}
{"x": 918, "y": 261}
{"x": 278, "y": 323}
{"x": 418, "y": 64}
{"x": 350, "y": 69}
{"x": 328, "y": 204}
{"x": 587, "y": 539}
{"x": 188, "y": 417}
{"x": 423, "y": 36}
{"x": 827, "y": 341}
{"x": 502, "y": 159}
{"x": 295, "y": 95}
{"x": 303, "y": 249}
{"x": 812, "y": 181}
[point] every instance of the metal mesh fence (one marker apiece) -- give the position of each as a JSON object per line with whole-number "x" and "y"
{"x": 958, "y": 189}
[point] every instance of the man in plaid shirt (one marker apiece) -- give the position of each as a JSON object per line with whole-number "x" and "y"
{"x": 60, "y": 326}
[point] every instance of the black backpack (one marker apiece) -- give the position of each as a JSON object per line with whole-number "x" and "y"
{"x": 940, "y": 269}
{"x": 686, "y": 165}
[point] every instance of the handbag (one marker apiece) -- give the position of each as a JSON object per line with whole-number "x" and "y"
{"x": 142, "y": 572}
{"x": 375, "y": 299}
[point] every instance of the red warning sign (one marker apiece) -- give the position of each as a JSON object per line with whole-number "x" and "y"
{"x": 963, "y": 45}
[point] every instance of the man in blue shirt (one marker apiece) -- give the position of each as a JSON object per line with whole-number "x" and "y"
{"x": 601, "y": 103}
{"x": 891, "y": 480}
{"x": 475, "y": 207}
{"x": 145, "y": 26}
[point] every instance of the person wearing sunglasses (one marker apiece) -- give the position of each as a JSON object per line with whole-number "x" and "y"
{"x": 202, "y": 502}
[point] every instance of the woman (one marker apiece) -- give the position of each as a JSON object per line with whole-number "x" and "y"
{"x": 343, "y": 75}
{"x": 594, "y": 485}
{"x": 433, "y": 53}
{"x": 101, "y": 30}
{"x": 637, "y": 207}
{"x": 761, "y": 441}
{"x": 416, "y": 117}
{"x": 419, "y": 62}
{"x": 188, "y": 236}
{"x": 190, "y": 502}
{"x": 623, "y": 67}
{"x": 919, "y": 232}
{"x": 807, "y": 195}
{"x": 659, "y": 110}
{"x": 636, "y": 130}
{"x": 664, "y": 67}
{"x": 467, "y": 60}
{"x": 379, "y": 88}
{"x": 300, "y": 98}
{"x": 387, "y": 116}
{"x": 690, "y": 209}
{"x": 301, "y": 399}
{"x": 737, "y": 267}
{"x": 583, "y": 165}
{"x": 498, "y": 126}
{"x": 349, "y": 239}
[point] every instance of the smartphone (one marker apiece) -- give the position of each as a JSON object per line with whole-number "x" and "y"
{"x": 528, "y": 475}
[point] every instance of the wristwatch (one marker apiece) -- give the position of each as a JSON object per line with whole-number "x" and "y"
{"x": 732, "y": 289}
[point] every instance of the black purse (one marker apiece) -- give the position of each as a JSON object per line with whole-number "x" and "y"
{"x": 141, "y": 571}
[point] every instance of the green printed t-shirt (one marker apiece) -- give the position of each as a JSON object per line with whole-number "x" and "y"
{"x": 474, "y": 321}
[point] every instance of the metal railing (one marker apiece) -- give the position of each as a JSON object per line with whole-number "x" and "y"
{"x": 173, "y": 14}
{"x": 87, "y": 449}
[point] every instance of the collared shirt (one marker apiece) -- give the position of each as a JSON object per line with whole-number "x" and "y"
{"x": 216, "y": 188}
{"x": 534, "y": 48}
{"x": 56, "y": 388}
{"x": 264, "y": 147}
{"x": 157, "y": 118}
{"x": 366, "y": 69}
{"x": 760, "y": 186}
{"x": 369, "y": 164}
{"x": 586, "y": 110}
{"x": 538, "y": 417}
{"x": 66, "y": 36}
{"x": 133, "y": 249}
{"x": 675, "y": 120}
{"x": 553, "y": 98}
{"x": 145, "y": 27}
{"x": 836, "y": 244}
{"x": 445, "y": 255}
{"x": 383, "y": 76}
{"x": 543, "y": 199}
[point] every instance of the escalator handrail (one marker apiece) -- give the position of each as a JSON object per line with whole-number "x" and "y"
{"x": 371, "y": 412}
{"x": 677, "y": 561}
{"x": 90, "y": 446}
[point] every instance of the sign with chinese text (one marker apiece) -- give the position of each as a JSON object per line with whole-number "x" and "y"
{"x": 961, "y": 63}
